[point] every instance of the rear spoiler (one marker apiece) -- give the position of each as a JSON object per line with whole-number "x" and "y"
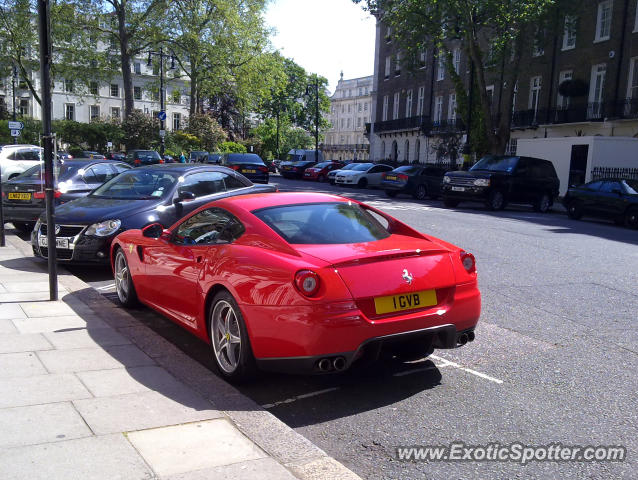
{"x": 381, "y": 256}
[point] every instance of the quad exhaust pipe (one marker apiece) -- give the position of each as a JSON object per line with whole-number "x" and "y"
{"x": 339, "y": 363}
{"x": 465, "y": 337}
{"x": 324, "y": 364}
{"x": 329, "y": 364}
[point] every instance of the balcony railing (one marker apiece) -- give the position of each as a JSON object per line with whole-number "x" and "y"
{"x": 443, "y": 127}
{"x": 410, "y": 123}
{"x": 362, "y": 147}
{"x": 586, "y": 112}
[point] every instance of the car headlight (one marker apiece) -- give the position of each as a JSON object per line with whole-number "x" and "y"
{"x": 446, "y": 179}
{"x": 104, "y": 229}
{"x": 482, "y": 182}
{"x": 63, "y": 187}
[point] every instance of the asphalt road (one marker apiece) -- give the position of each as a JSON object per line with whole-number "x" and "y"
{"x": 554, "y": 361}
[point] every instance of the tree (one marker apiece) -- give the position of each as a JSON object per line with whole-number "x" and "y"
{"x": 492, "y": 32}
{"x": 289, "y": 137}
{"x": 207, "y": 130}
{"x": 140, "y": 130}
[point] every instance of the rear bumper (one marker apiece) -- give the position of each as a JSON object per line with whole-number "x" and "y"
{"x": 396, "y": 187}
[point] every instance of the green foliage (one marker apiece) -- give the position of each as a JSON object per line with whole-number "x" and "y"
{"x": 207, "y": 130}
{"x": 140, "y": 131}
{"x": 232, "y": 147}
{"x": 289, "y": 137}
{"x": 30, "y": 133}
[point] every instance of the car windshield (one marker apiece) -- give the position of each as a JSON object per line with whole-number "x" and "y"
{"x": 361, "y": 167}
{"x": 411, "y": 169}
{"x": 244, "y": 158}
{"x": 323, "y": 165}
{"x": 138, "y": 185}
{"x": 631, "y": 186}
{"x": 323, "y": 223}
{"x": 496, "y": 164}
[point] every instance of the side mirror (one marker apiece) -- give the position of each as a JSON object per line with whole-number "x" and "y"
{"x": 185, "y": 196}
{"x": 154, "y": 230}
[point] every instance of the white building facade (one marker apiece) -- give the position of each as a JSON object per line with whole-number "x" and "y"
{"x": 350, "y": 111}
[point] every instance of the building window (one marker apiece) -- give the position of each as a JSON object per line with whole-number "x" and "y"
{"x": 603, "y": 23}
{"x": 24, "y": 106}
{"x": 440, "y": 71}
{"x": 388, "y": 34}
{"x": 395, "y": 106}
{"x": 569, "y": 33}
{"x": 384, "y": 115}
{"x": 632, "y": 90}
{"x": 438, "y": 110}
{"x": 93, "y": 88}
{"x": 137, "y": 68}
{"x": 388, "y": 62}
{"x": 115, "y": 112}
{"x": 349, "y": 108}
{"x": 419, "y": 102}
{"x": 177, "y": 121}
{"x": 359, "y": 122}
{"x": 563, "y": 102}
{"x": 137, "y": 93}
{"x": 539, "y": 49}
{"x": 94, "y": 112}
{"x": 451, "y": 111}
{"x": 365, "y": 107}
{"x": 348, "y": 123}
{"x": 597, "y": 89}
{"x": 408, "y": 104}
{"x": 360, "y": 91}
{"x": 534, "y": 94}
{"x": 342, "y": 124}
{"x": 406, "y": 153}
{"x": 115, "y": 90}
{"x": 113, "y": 43}
{"x": 417, "y": 151}
{"x": 68, "y": 85}
{"x": 359, "y": 107}
{"x": 69, "y": 111}
{"x": 490, "y": 94}
{"x": 397, "y": 64}
{"x": 457, "y": 60}
{"x": 423, "y": 58}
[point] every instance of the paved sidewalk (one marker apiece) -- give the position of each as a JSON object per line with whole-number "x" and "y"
{"x": 87, "y": 392}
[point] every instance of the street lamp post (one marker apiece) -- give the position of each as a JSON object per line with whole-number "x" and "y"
{"x": 13, "y": 86}
{"x": 162, "y": 116}
{"x": 315, "y": 85}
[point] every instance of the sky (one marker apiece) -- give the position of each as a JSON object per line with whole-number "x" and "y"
{"x": 324, "y": 36}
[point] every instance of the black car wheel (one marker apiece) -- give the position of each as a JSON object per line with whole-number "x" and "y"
{"x": 363, "y": 183}
{"x": 421, "y": 192}
{"x": 543, "y": 203}
{"x": 321, "y": 178}
{"x": 123, "y": 281}
{"x": 496, "y": 200}
{"x": 575, "y": 210}
{"x": 229, "y": 338}
{"x": 450, "y": 203}
{"x": 631, "y": 218}
{"x": 391, "y": 193}
{"x": 24, "y": 227}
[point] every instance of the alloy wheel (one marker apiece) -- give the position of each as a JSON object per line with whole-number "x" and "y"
{"x": 226, "y": 334}
{"x": 122, "y": 278}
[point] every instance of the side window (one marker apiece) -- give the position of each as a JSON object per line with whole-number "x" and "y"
{"x": 609, "y": 187}
{"x": 89, "y": 176}
{"x": 203, "y": 183}
{"x": 120, "y": 167}
{"x": 209, "y": 227}
{"x": 376, "y": 169}
{"x": 99, "y": 173}
{"x": 33, "y": 154}
{"x": 232, "y": 182}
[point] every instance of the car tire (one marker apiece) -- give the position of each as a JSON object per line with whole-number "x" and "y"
{"x": 24, "y": 227}
{"x": 543, "y": 204}
{"x": 450, "y": 203}
{"x": 391, "y": 193}
{"x": 496, "y": 200}
{"x": 123, "y": 281}
{"x": 575, "y": 210}
{"x": 363, "y": 183}
{"x": 321, "y": 178}
{"x": 421, "y": 192}
{"x": 631, "y": 218}
{"x": 229, "y": 339}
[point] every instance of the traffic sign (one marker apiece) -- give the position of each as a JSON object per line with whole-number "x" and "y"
{"x": 162, "y": 133}
{"x": 109, "y": 144}
{"x": 16, "y": 126}
{"x": 15, "y": 133}
{"x": 161, "y": 115}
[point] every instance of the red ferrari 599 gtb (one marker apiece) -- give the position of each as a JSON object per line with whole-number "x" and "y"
{"x": 302, "y": 282}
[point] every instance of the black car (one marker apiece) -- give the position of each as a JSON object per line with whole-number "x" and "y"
{"x": 498, "y": 180}
{"x": 212, "y": 158}
{"x": 140, "y": 158}
{"x": 420, "y": 181}
{"x": 249, "y": 165}
{"x": 295, "y": 169}
{"x": 23, "y": 199}
{"x": 115, "y": 156}
{"x": 136, "y": 198}
{"x": 197, "y": 156}
{"x": 611, "y": 198}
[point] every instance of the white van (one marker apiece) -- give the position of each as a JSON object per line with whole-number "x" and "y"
{"x": 15, "y": 159}
{"x": 297, "y": 155}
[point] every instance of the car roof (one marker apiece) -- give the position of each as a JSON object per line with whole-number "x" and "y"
{"x": 278, "y": 199}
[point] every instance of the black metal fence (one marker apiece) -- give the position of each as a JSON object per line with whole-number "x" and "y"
{"x": 614, "y": 172}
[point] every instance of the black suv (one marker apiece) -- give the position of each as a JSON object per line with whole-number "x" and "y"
{"x": 498, "y": 180}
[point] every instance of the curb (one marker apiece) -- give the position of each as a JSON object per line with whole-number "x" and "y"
{"x": 300, "y": 456}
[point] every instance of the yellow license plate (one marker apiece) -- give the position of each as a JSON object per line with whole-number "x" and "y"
{"x": 406, "y": 301}
{"x": 19, "y": 196}
{"x": 390, "y": 177}
{"x": 250, "y": 171}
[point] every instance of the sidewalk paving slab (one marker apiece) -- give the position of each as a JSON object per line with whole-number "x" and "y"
{"x": 40, "y": 389}
{"x": 72, "y": 338}
{"x": 84, "y": 359}
{"x": 52, "y": 324}
{"x": 16, "y": 342}
{"x": 22, "y": 364}
{"x": 262, "y": 469}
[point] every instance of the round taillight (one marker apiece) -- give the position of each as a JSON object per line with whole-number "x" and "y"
{"x": 469, "y": 264}
{"x": 307, "y": 282}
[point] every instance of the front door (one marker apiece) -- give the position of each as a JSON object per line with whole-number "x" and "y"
{"x": 578, "y": 164}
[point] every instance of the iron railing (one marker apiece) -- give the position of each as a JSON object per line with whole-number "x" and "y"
{"x": 614, "y": 172}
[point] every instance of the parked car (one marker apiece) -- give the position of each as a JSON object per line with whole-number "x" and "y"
{"x": 115, "y": 156}
{"x": 362, "y": 175}
{"x": 134, "y": 199}
{"x": 23, "y": 196}
{"x": 610, "y": 198}
{"x": 331, "y": 175}
{"x": 62, "y": 155}
{"x": 197, "y": 156}
{"x": 311, "y": 307}
{"x": 168, "y": 158}
{"x": 420, "y": 181}
{"x": 300, "y": 155}
{"x": 499, "y": 180}
{"x": 319, "y": 172}
{"x": 212, "y": 158}
{"x": 139, "y": 158}
{"x": 15, "y": 159}
{"x": 249, "y": 165}
{"x": 295, "y": 169}
{"x": 91, "y": 155}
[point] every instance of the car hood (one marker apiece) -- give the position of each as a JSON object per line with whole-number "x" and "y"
{"x": 88, "y": 210}
{"x": 476, "y": 174}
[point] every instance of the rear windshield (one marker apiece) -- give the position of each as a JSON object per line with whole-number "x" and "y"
{"x": 496, "y": 164}
{"x": 407, "y": 169}
{"x": 244, "y": 158}
{"x": 361, "y": 167}
{"x": 147, "y": 154}
{"x": 323, "y": 223}
{"x": 323, "y": 164}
